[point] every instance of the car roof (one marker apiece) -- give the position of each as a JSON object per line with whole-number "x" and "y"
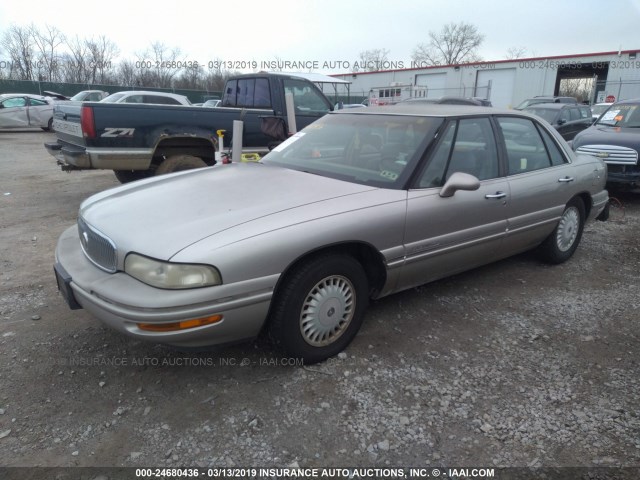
{"x": 553, "y": 97}
{"x": 148, "y": 92}
{"x": 21, "y": 95}
{"x": 430, "y": 110}
{"x": 554, "y": 106}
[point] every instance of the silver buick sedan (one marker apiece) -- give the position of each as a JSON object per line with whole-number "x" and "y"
{"x": 357, "y": 206}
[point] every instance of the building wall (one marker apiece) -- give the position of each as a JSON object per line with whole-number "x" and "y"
{"x": 618, "y": 74}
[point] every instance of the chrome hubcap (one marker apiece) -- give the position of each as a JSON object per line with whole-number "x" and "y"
{"x": 568, "y": 229}
{"x": 327, "y": 311}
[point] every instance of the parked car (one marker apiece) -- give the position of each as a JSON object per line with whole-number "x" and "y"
{"x": 212, "y": 103}
{"x": 615, "y": 138}
{"x": 24, "y": 110}
{"x": 140, "y": 96}
{"x": 599, "y": 108}
{"x": 358, "y": 205}
{"x": 567, "y": 118}
{"x": 546, "y": 99}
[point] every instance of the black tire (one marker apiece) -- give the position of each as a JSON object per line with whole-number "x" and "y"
{"x": 177, "y": 163}
{"x": 126, "y": 176}
{"x": 604, "y": 214}
{"x": 49, "y": 127}
{"x": 560, "y": 245}
{"x": 325, "y": 285}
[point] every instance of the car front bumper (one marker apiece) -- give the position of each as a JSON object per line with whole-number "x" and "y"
{"x": 123, "y": 303}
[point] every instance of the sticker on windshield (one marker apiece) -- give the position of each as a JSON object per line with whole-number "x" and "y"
{"x": 289, "y": 141}
{"x": 610, "y": 116}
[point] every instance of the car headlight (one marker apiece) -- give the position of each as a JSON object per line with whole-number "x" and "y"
{"x": 170, "y": 275}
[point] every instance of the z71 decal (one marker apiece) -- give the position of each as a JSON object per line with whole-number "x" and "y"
{"x": 118, "y": 132}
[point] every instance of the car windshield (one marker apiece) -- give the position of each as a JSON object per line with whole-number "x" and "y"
{"x": 599, "y": 109}
{"x": 621, "y": 115}
{"x": 376, "y": 150}
{"x": 113, "y": 97}
{"x": 524, "y": 104}
{"x": 549, "y": 114}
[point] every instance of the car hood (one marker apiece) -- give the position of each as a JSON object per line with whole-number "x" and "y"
{"x": 603, "y": 135}
{"x": 161, "y": 216}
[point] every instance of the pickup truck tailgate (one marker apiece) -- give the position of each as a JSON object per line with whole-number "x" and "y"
{"x": 66, "y": 122}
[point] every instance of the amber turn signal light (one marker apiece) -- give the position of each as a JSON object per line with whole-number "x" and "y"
{"x": 183, "y": 325}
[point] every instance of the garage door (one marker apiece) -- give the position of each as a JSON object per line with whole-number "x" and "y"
{"x": 435, "y": 83}
{"x": 501, "y": 91}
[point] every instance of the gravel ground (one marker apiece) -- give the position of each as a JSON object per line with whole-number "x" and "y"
{"x": 514, "y": 364}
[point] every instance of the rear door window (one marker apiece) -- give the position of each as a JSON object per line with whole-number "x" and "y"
{"x": 526, "y": 151}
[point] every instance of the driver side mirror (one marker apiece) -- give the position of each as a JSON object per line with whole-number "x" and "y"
{"x": 459, "y": 181}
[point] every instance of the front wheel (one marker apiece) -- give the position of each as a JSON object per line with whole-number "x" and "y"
{"x": 320, "y": 307}
{"x": 560, "y": 245}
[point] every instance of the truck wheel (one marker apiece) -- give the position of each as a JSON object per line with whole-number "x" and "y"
{"x": 126, "y": 176}
{"x": 177, "y": 163}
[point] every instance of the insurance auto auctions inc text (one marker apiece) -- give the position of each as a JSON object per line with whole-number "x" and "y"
{"x": 346, "y": 473}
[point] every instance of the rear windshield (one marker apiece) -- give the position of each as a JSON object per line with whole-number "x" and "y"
{"x": 549, "y": 114}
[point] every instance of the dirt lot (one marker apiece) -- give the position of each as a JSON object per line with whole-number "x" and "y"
{"x": 514, "y": 364}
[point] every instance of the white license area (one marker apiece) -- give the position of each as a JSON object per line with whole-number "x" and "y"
{"x": 71, "y": 128}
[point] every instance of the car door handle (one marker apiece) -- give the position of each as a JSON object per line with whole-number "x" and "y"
{"x": 566, "y": 179}
{"x": 496, "y": 195}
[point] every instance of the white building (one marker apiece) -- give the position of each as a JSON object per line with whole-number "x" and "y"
{"x": 506, "y": 83}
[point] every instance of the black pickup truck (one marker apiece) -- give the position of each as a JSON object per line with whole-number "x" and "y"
{"x": 140, "y": 140}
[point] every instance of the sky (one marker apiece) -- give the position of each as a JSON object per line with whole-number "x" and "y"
{"x": 327, "y": 36}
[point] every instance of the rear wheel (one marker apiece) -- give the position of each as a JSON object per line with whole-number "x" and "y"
{"x": 563, "y": 241}
{"x": 49, "y": 126}
{"x": 320, "y": 307}
{"x": 178, "y": 163}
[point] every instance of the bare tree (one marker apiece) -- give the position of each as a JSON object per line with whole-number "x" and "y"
{"x": 75, "y": 63}
{"x": 215, "y": 77}
{"x": 580, "y": 88}
{"x": 19, "y": 44}
{"x": 514, "y": 53}
{"x": 191, "y": 78}
{"x": 48, "y": 44}
{"x": 456, "y": 43}
{"x": 372, "y": 60}
{"x": 158, "y": 65}
{"x": 126, "y": 73}
{"x": 101, "y": 52}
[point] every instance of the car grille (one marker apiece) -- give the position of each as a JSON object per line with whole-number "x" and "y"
{"x": 611, "y": 154}
{"x": 97, "y": 247}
